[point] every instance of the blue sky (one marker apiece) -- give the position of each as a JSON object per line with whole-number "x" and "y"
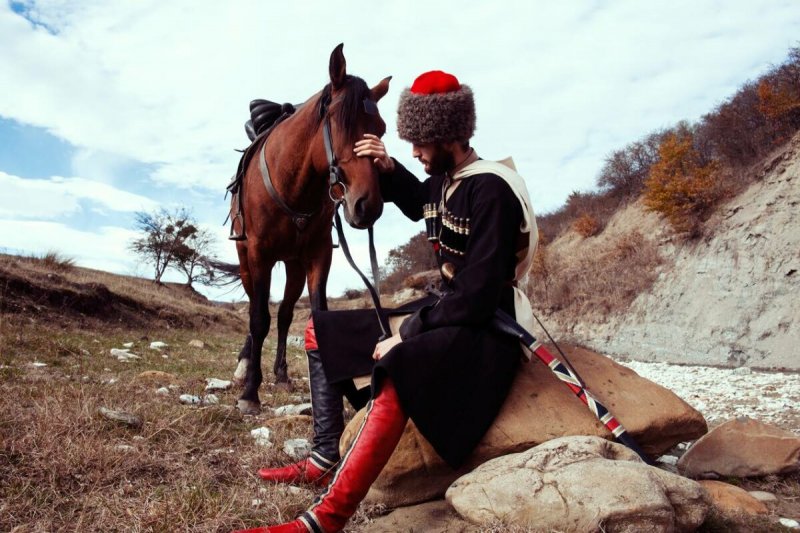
{"x": 111, "y": 107}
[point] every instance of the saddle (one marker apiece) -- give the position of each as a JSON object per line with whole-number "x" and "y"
{"x": 264, "y": 116}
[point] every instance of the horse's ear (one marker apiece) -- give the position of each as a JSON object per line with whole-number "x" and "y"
{"x": 380, "y": 90}
{"x": 337, "y": 67}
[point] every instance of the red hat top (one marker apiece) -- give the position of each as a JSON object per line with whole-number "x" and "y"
{"x": 435, "y": 82}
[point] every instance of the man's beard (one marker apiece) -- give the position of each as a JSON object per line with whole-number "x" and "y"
{"x": 441, "y": 161}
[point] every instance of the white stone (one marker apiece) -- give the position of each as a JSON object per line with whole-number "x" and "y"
{"x": 158, "y": 345}
{"x": 196, "y": 343}
{"x": 37, "y": 364}
{"x": 301, "y": 409}
{"x": 788, "y": 522}
{"x": 262, "y": 436}
{"x": 173, "y": 387}
{"x": 763, "y": 496}
{"x": 256, "y": 502}
{"x": 127, "y": 345}
{"x": 211, "y": 399}
{"x": 578, "y": 484}
{"x": 124, "y": 448}
{"x": 218, "y": 384}
{"x": 294, "y": 340}
{"x": 112, "y": 381}
{"x": 165, "y": 356}
{"x": 190, "y": 399}
{"x": 163, "y": 391}
{"x": 297, "y": 448}
{"x": 123, "y": 355}
{"x": 668, "y": 460}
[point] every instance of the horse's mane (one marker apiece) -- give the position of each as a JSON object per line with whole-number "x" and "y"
{"x": 346, "y": 112}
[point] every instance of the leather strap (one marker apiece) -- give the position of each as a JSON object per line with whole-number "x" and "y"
{"x": 300, "y": 219}
{"x": 376, "y": 300}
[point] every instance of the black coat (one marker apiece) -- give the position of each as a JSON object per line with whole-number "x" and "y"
{"x": 452, "y": 371}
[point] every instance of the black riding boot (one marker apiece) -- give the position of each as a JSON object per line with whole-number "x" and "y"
{"x": 327, "y": 406}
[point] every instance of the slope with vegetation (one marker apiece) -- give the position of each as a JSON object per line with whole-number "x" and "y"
{"x": 688, "y": 251}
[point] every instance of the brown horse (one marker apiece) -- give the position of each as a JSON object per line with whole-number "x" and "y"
{"x": 298, "y": 167}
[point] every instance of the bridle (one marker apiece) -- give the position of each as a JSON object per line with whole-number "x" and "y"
{"x": 334, "y": 181}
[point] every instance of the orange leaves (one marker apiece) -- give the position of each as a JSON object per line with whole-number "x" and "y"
{"x": 681, "y": 186}
{"x": 586, "y": 225}
{"x": 776, "y": 101}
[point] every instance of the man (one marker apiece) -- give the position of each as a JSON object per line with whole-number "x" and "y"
{"x": 447, "y": 369}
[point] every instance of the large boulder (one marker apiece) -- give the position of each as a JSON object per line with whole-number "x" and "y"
{"x": 579, "y": 484}
{"x": 742, "y": 447}
{"x": 538, "y": 409}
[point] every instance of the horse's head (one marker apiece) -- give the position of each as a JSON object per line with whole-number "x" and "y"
{"x": 350, "y": 107}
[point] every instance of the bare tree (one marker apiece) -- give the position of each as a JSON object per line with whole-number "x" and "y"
{"x": 196, "y": 260}
{"x": 167, "y": 237}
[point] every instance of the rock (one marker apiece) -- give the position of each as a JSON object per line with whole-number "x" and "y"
{"x": 156, "y": 376}
{"x": 125, "y": 448}
{"x": 217, "y": 384}
{"x": 290, "y": 423}
{"x": 190, "y": 399}
{"x": 158, "y": 345}
{"x": 763, "y": 496}
{"x": 123, "y": 417}
{"x": 163, "y": 391}
{"x": 210, "y": 399}
{"x": 196, "y": 343}
{"x": 127, "y": 345}
{"x": 37, "y": 364}
{"x": 731, "y": 500}
{"x": 579, "y": 484}
{"x": 540, "y": 408}
{"x": 297, "y": 448}
{"x": 788, "y": 522}
{"x": 296, "y": 341}
{"x": 742, "y": 447}
{"x": 431, "y": 517}
{"x": 421, "y": 280}
{"x": 668, "y": 460}
{"x": 261, "y": 436}
{"x": 123, "y": 355}
{"x": 301, "y": 409}
{"x": 173, "y": 387}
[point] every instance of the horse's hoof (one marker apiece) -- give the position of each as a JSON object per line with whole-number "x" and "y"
{"x": 284, "y": 386}
{"x": 249, "y": 407}
{"x": 240, "y": 372}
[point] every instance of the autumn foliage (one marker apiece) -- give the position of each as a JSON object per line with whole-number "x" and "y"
{"x": 586, "y": 225}
{"x": 681, "y": 185}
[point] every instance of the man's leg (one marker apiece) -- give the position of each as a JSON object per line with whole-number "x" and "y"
{"x": 368, "y": 454}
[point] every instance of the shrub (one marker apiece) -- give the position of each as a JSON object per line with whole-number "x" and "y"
{"x": 586, "y": 226}
{"x": 57, "y": 262}
{"x": 682, "y": 186}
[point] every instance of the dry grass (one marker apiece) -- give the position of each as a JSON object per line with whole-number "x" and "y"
{"x": 597, "y": 279}
{"x": 66, "y": 468}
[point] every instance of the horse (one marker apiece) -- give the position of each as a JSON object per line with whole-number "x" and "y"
{"x": 309, "y": 163}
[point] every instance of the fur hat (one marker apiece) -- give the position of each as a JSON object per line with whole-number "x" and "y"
{"x": 436, "y": 108}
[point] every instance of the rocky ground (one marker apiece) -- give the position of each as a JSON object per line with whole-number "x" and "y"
{"x": 725, "y": 393}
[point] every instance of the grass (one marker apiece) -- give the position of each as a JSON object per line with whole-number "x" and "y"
{"x": 66, "y": 468}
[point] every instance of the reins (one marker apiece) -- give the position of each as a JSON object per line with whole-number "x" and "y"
{"x": 301, "y": 219}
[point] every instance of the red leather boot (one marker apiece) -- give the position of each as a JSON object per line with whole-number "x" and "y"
{"x": 311, "y": 470}
{"x": 368, "y": 454}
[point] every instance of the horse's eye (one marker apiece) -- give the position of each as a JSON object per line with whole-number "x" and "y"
{"x": 370, "y": 107}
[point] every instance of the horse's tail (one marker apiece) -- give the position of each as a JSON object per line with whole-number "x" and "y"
{"x": 225, "y": 273}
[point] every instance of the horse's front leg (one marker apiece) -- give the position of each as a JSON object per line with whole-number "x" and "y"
{"x": 295, "y": 281}
{"x": 249, "y": 403}
{"x": 317, "y": 265}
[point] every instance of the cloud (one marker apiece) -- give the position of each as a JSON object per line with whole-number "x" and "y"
{"x": 59, "y": 197}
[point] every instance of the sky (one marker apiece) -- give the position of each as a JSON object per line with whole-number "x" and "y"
{"x": 110, "y": 107}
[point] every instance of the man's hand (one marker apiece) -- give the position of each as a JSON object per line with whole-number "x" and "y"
{"x": 372, "y": 146}
{"x": 383, "y": 347}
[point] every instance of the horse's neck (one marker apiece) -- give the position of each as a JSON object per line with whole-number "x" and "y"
{"x": 294, "y": 176}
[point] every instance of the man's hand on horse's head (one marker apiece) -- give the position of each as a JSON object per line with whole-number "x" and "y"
{"x": 372, "y": 146}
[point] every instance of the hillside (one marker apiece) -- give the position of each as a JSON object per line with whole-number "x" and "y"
{"x": 731, "y": 298}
